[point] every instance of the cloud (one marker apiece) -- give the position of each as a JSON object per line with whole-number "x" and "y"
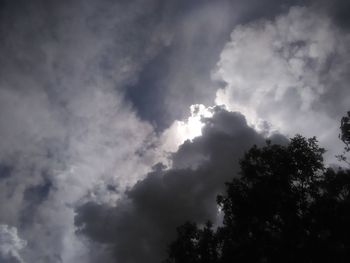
{"x": 10, "y": 245}
{"x": 141, "y": 224}
{"x": 71, "y": 133}
{"x": 67, "y": 133}
{"x": 179, "y": 74}
{"x": 337, "y": 10}
{"x": 289, "y": 72}
{"x": 180, "y": 131}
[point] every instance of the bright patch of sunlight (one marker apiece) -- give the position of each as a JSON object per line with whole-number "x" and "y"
{"x": 192, "y": 127}
{"x": 188, "y": 129}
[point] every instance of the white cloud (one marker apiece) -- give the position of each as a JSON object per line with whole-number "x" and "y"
{"x": 10, "y": 244}
{"x": 285, "y": 72}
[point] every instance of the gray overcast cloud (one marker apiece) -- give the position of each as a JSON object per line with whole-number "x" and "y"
{"x": 95, "y": 95}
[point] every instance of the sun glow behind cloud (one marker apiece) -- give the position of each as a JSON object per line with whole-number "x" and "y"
{"x": 180, "y": 131}
{"x": 192, "y": 127}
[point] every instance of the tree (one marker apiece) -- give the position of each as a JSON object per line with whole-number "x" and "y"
{"x": 345, "y": 137}
{"x": 194, "y": 245}
{"x": 345, "y": 129}
{"x": 285, "y": 207}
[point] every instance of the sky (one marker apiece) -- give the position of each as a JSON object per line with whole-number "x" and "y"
{"x": 120, "y": 120}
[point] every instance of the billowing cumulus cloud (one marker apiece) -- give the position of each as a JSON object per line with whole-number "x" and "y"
{"x": 292, "y": 72}
{"x": 179, "y": 74}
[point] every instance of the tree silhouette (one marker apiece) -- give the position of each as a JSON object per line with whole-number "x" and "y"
{"x": 194, "y": 245}
{"x": 345, "y": 137}
{"x": 345, "y": 129}
{"x": 285, "y": 207}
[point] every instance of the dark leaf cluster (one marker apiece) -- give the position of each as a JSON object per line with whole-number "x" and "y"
{"x": 345, "y": 137}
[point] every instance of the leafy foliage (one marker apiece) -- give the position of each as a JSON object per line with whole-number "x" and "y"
{"x": 345, "y": 137}
{"x": 194, "y": 245}
{"x": 285, "y": 207}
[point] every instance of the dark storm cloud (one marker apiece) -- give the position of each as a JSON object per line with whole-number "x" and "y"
{"x": 143, "y": 223}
